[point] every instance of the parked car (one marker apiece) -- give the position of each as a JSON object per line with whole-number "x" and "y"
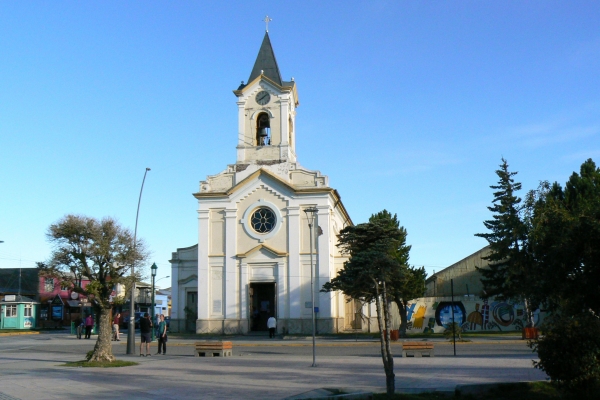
{"x": 125, "y": 323}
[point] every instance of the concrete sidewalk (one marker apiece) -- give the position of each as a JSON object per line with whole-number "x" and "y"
{"x": 26, "y": 372}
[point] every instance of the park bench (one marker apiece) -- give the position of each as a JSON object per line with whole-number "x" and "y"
{"x": 417, "y": 349}
{"x": 213, "y": 349}
{"x": 50, "y": 324}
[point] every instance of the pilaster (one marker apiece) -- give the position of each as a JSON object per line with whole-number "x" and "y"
{"x": 230, "y": 271}
{"x": 294, "y": 273}
{"x": 323, "y": 267}
{"x": 203, "y": 267}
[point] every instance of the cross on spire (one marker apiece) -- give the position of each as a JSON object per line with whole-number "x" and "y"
{"x": 267, "y": 20}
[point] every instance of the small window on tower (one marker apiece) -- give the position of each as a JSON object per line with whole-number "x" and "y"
{"x": 263, "y": 130}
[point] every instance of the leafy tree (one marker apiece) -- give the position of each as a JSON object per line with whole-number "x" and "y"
{"x": 508, "y": 273}
{"x": 564, "y": 240}
{"x": 101, "y": 251}
{"x": 377, "y": 250}
{"x": 406, "y": 282}
{"x": 569, "y": 352}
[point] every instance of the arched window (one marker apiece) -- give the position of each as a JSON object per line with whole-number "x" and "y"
{"x": 263, "y": 130}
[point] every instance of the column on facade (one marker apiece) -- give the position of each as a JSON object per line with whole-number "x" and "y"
{"x": 294, "y": 275}
{"x": 281, "y": 291}
{"x": 203, "y": 267}
{"x": 325, "y": 262}
{"x": 283, "y": 128}
{"x": 243, "y": 293}
{"x": 241, "y": 131}
{"x": 230, "y": 270}
{"x": 176, "y": 295}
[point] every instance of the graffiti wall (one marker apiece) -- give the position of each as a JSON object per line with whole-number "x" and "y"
{"x": 432, "y": 314}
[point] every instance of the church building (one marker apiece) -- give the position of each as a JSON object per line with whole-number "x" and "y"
{"x": 253, "y": 257}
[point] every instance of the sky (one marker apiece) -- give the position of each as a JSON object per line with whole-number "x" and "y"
{"x": 407, "y": 106}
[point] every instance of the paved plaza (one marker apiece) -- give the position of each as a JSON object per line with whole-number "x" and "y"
{"x": 30, "y": 368}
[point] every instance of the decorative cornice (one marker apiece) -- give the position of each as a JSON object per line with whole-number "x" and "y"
{"x": 190, "y": 278}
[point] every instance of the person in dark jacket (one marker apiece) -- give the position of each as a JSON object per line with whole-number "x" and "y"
{"x": 146, "y": 333}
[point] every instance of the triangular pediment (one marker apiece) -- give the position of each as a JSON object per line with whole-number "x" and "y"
{"x": 263, "y": 248}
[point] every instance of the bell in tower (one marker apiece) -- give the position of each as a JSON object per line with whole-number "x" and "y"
{"x": 263, "y": 130}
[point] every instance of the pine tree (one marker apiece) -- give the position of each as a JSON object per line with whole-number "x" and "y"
{"x": 507, "y": 275}
{"x": 376, "y": 271}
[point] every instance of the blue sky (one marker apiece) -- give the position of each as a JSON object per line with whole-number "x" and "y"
{"x": 405, "y": 105}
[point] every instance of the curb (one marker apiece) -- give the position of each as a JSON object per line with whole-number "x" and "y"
{"x": 19, "y": 333}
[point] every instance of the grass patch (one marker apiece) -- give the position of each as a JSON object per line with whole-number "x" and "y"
{"x": 419, "y": 396}
{"x": 507, "y": 391}
{"x": 99, "y": 364}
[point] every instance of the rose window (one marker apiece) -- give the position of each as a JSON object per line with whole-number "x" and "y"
{"x": 263, "y": 220}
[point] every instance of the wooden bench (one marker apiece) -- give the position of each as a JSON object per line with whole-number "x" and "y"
{"x": 213, "y": 349}
{"x": 417, "y": 349}
{"x": 50, "y": 324}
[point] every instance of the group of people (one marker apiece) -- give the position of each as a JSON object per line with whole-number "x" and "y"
{"x": 85, "y": 326}
{"x": 146, "y": 327}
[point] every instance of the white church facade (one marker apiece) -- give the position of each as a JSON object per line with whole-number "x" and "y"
{"x": 253, "y": 257}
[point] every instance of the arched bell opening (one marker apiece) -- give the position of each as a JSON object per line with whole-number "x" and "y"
{"x": 263, "y": 130}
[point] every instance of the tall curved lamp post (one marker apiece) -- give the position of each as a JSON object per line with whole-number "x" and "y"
{"x": 131, "y": 329}
{"x": 311, "y": 214}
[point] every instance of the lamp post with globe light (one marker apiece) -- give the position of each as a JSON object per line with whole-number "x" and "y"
{"x": 153, "y": 268}
{"x": 311, "y": 214}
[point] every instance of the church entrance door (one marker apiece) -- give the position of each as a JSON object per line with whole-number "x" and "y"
{"x": 262, "y": 305}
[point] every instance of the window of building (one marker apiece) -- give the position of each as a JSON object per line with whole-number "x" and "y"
{"x": 11, "y": 310}
{"x": 49, "y": 284}
{"x": 263, "y": 220}
{"x": 28, "y": 310}
{"x": 64, "y": 287}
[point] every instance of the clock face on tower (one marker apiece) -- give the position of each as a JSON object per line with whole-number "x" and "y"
{"x": 263, "y": 98}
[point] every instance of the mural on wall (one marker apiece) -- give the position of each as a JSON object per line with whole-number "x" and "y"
{"x": 472, "y": 314}
{"x": 444, "y": 310}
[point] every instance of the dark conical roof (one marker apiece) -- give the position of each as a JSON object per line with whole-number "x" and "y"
{"x": 266, "y": 62}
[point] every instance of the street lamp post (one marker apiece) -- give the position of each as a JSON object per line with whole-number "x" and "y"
{"x": 131, "y": 329}
{"x": 153, "y": 268}
{"x": 311, "y": 214}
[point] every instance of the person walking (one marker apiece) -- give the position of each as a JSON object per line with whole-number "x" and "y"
{"x": 146, "y": 334}
{"x": 272, "y": 325}
{"x": 78, "y": 327}
{"x": 89, "y": 324}
{"x": 162, "y": 336}
{"x": 116, "y": 321}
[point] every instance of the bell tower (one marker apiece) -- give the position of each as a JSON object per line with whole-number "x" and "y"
{"x": 266, "y": 113}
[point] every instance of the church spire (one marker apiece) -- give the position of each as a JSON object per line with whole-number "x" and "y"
{"x": 266, "y": 63}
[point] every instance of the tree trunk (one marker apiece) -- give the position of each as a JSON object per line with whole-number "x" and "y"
{"x": 403, "y": 315}
{"x": 383, "y": 320}
{"x": 103, "y": 349}
{"x": 528, "y": 313}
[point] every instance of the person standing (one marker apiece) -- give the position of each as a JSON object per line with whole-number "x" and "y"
{"x": 272, "y": 325}
{"x": 89, "y": 324}
{"x": 146, "y": 334}
{"x": 156, "y": 322}
{"x": 162, "y": 336}
{"x": 116, "y": 322}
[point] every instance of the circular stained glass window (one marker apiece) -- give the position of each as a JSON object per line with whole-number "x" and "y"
{"x": 263, "y": 220}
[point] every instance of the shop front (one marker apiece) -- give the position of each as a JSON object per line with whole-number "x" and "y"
{"x": 18, "y": 312}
